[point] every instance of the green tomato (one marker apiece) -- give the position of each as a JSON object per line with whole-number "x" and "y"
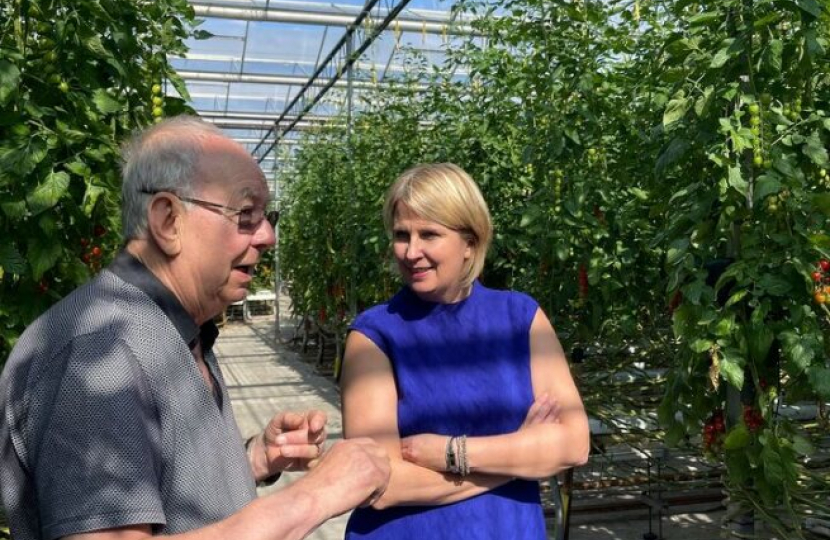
{"x": 64, "y": 86}
{"x": 758, "y": 161}
{"x": 754, "y": 109}
{"x": 157, "y": 101}
{"x": 158, "y": 112}
{"x": 156, "y": 89}
{"x": 766, "y": 98}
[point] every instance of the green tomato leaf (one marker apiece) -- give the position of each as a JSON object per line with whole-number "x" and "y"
{"x": 803, "y": 446}
{"x": 9, "y": 80}
{"x": 821, "y": 202}
{"x": 47, "y": 194}
{"x": 736, "y": 297}
{"x": 701, "y": 345}
{"x": 672, "y": 154}
{"x": 774, "y": 284}
{"x": 766, "y": 185}
{"x": 179, "y": 84}
{"x": 702, "y": 19}
{"x": 78, "y": 167}
{"x": 737, "y": 438}
{"x": 96, "y": 46}
{"x": 771, "y": 57}
{"x": 676, "y": 110}
{"x": 819, "y": 377}
{"x": 11, "y": 261}
{"x": 797, "y": 348}
{"x": 91, "y": 197}
{"x": 42, "y": 254}
{"x": 773, "y": 465}
{"x": 810, "y": 6}
{"x": 105, "y": 103}
{"x": 732, "y": 368}
{"x": 740, "y": 470}
{"x": 759, "y": 339}
{"x": 736, "y": 180}
{"x": 15, "y": 209}
{"x": 676, "y": 250}
{"x": 814, "y": 149}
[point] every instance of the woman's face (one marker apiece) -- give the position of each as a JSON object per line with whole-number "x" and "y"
{"x": 431, "y": 258}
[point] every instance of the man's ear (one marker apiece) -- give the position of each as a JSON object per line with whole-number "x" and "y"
{"x": 164, "y": 223}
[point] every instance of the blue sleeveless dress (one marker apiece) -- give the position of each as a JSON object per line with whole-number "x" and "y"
{"x": 459, "y": 369}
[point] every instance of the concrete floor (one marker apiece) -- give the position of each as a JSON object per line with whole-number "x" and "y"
{"x": 264, "y": 378}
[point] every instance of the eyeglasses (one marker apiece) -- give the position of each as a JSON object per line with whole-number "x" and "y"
{"x": 247, "y": 219}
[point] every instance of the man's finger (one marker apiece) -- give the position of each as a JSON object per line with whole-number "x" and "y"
{"x": 316, "y": 421}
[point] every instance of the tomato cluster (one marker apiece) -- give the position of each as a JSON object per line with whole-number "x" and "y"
{"x": 713, "y": 432}
{"x": 821, "y": 279}
{"x": 91, "y": 253}
{"x": 753, "y": 418}
{"x": 158, "y": 103}
{"x": 558, "y": 175}
{"x": 755, "y": 126}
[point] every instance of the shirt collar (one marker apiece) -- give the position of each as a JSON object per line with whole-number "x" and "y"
{"x": 133, "y": 271}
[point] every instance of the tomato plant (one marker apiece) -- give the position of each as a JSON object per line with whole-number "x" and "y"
{"x": 635, "y": 157}
{"x": 76, "y": 78}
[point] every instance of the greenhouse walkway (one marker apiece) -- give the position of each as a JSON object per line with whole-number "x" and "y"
{"x": 264, "y": 378}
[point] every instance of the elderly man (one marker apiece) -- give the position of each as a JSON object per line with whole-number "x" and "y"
{"x": 116, "y": 420}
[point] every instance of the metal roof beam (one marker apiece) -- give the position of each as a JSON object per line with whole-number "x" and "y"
{"x": 239, "y": 115}
{"x": 243, "y": 123}
{"x": 339, "y": 61}
{"x": 272, "y": 79}
{"x": 404, "y": 23}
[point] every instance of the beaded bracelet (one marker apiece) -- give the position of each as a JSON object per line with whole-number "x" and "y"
{"x": 456, "y": 455}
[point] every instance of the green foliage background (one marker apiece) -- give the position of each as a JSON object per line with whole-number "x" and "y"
{"x": 617, "y": 140}
{"x": 76, "y": 78}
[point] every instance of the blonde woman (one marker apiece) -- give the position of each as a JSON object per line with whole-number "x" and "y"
{"x": 467, "y": 387}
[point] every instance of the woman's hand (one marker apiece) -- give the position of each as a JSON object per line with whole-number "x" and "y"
{"x": 430, "y": 451}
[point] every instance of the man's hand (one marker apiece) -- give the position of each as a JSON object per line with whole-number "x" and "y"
{"x": 352, "y": 473}
{"x": 544, "y": 410}
{"x": 291, "y": 442}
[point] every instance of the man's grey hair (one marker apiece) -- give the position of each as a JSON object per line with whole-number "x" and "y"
{"x": 163, "y": 157}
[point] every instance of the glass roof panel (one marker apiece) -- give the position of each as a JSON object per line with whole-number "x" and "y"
{"x": 262, "y": 53}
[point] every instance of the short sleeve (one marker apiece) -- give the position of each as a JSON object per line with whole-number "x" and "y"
{"x": 523, "y": 308}
{"x": 96, "y": 459}
{"x": 367, "y": 323}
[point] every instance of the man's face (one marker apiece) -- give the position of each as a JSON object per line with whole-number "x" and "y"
{"x": 220, "y": 257}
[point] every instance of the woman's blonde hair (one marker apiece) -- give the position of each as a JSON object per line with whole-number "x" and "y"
{"x": 445, "y": 193}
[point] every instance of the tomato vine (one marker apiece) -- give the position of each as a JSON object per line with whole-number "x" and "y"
{"x": 657, "y": 173}
{"x": 76, "y": 78}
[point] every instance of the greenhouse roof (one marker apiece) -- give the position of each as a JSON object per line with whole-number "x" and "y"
{"x": 257, "y": 66}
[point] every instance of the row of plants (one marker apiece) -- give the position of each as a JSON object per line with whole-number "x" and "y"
{"x": 76, "y": 78}
{"x": 657, "y": 174}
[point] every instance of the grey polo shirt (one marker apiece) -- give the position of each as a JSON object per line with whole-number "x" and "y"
{"x": 107, "y": 421}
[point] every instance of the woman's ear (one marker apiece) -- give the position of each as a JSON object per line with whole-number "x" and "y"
{"x": 164, "y": 222}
